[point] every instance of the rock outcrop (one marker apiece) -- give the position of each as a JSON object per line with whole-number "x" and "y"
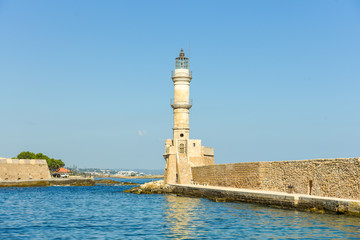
{"x": 112, "y": 182}
{"x": 157, "y": 187}
{"x": 49, "y": 182}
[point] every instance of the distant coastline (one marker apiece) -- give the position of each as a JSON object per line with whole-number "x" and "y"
{"x": 143, "y": 177}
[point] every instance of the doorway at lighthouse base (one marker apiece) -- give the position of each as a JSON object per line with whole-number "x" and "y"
{"x": 181, "y": 156}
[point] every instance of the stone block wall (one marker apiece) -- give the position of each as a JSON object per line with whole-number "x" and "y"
{"x": 178, "y": 163}
{"x": 239, "y": 175}
{"x": 201, "y": 161}
{"x": 23, "y": 169}
{"x": 320, "y": 177}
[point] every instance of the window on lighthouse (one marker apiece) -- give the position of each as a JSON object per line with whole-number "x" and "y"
{"x": 182, "y": 148}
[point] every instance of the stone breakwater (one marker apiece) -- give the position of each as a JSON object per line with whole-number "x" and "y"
{"x": 272, "y": 199}
{"x": 301, "y": 202}
{"x": 72, "y": 181}
{"x": 49, "y": 182}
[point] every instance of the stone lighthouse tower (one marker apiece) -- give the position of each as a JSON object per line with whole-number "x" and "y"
{"x": 181, "y": 152}
{"x": 181, "y": 102}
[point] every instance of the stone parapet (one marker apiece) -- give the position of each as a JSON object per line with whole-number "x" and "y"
{"x": 22, "y": 161}
{"x": 207, "y": 151}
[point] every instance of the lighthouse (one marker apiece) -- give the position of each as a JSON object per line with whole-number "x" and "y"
{"x": 181, "y": 101}
{"x": 181, "y": 152}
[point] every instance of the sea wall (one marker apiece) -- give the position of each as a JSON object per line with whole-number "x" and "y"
{"x": 23, "y": 169}
{"x": 339, "y": 178}
{"x": 268, "y": 198}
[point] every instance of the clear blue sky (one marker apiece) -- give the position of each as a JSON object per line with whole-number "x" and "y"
{"x": 89, "y": 81}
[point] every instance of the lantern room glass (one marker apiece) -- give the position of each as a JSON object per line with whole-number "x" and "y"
{"x": 182, "y": 63}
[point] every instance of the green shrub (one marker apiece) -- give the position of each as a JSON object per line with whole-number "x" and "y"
{"x": 53, "y": 164}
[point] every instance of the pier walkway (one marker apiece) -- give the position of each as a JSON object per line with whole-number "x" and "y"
{"x": 269, "y": 198}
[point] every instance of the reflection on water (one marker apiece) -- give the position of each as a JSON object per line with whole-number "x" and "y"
{"x": 181, "y": 213}
{"x": 191, "y": 218}
{"x": 106, "y": 212}
{"x": 298, "y": 221}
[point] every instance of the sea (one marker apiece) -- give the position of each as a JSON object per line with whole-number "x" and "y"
{"x": 106, "y": 212}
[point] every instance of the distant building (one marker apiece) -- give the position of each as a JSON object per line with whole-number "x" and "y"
{"x": 63, "y": 170}
{"x": 181, "y": 152}
{"x": 129, "y": 173}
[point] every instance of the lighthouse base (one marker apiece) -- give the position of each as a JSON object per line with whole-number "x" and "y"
{"x": 180, "y": 159}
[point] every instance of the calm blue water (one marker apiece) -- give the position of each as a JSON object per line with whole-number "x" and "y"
{"x": 105, "y": 212}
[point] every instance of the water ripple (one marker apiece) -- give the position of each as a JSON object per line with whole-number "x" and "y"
{"x": 105, "y": 212}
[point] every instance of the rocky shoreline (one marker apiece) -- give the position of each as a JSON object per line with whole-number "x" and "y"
{"x": 113, "y": 182}
{"x": 72, "y": 181}
{"x": 156, "y": 187}
{"x": 49, "y": 182}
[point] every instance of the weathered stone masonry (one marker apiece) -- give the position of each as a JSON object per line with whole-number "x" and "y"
{"x": 320, "y": 177}
{"x": 315, "y": 185}
{"x": 23, "y": 169}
